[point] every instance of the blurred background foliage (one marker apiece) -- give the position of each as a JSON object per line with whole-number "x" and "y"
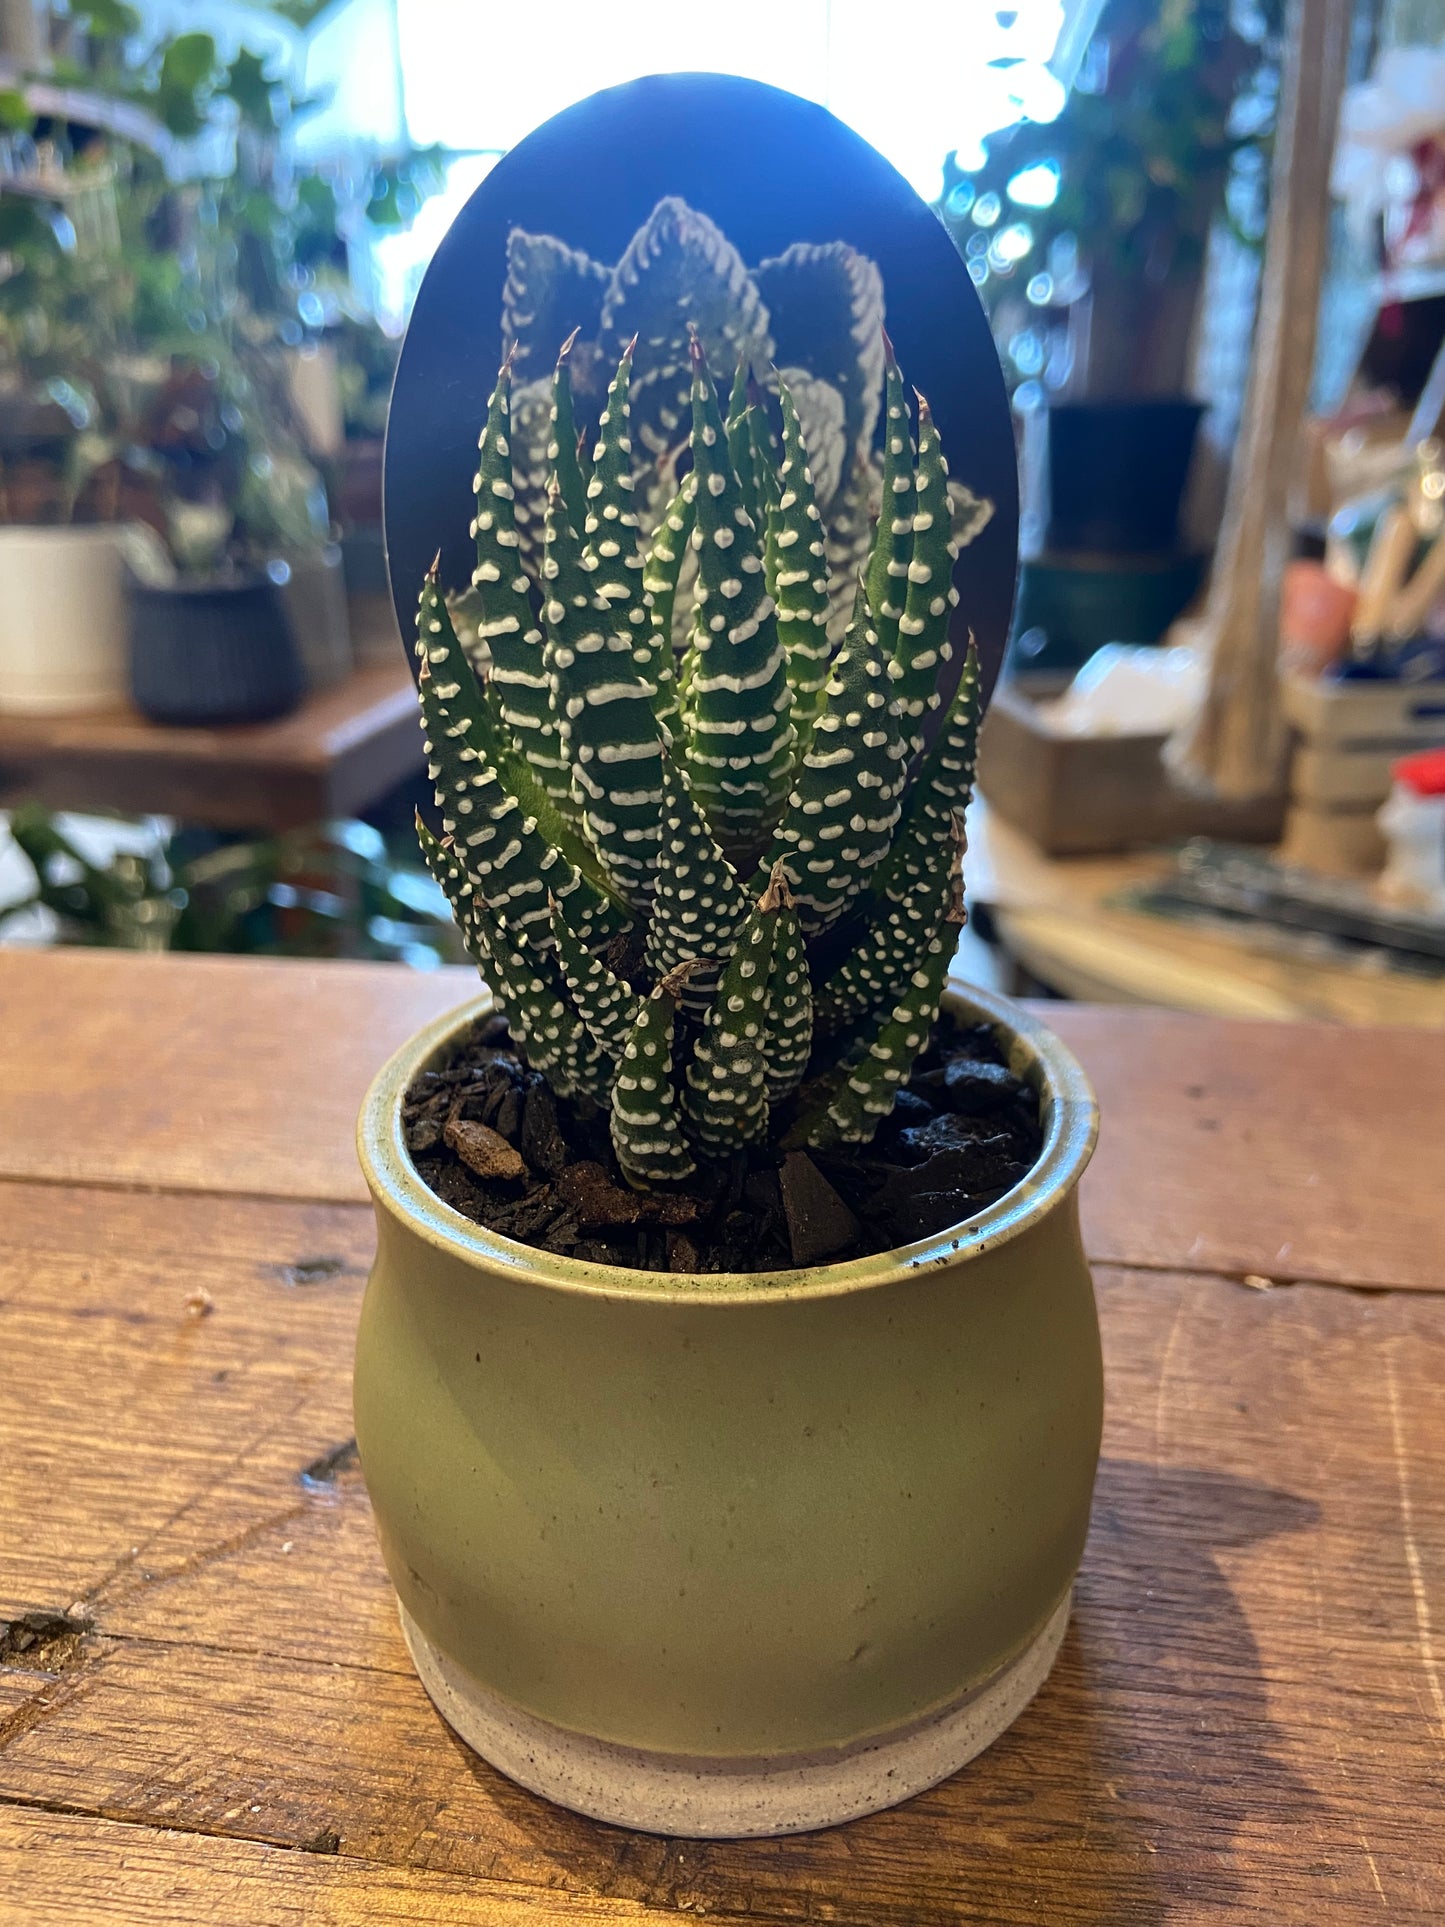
{"x": 1164, "y": 136}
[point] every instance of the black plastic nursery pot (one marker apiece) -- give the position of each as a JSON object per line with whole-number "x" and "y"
{"x": 213, "y": 652}
{"x": 1117, "y": 471}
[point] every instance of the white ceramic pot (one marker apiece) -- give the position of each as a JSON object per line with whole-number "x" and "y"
{"x": 62, "y": 620}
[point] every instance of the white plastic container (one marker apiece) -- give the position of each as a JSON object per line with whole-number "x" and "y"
{"x": 1413, "y": 824}
{"x": 62, "y": 620}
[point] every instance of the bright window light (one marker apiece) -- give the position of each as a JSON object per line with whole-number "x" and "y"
{"x": 916, "y": 78}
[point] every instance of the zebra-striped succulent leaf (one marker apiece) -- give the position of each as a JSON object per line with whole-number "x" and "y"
{"x": 604, "y": 808}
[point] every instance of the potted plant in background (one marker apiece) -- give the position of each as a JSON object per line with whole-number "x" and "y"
{"x": 1088, "y": 238}
{"x": 66, "y": 486}
{"x": 136, "y": 268}
{"x": 212, "y": 637}
{"x": 717, "y": 1504}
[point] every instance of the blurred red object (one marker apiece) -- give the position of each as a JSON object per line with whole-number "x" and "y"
{"x": 1424, "y": 772}
{"x": 1315, "y": 617}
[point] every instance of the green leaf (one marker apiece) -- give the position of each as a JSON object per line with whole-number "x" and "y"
{"x": 887, "y": 576}
{"x": 725, "y": 1096}
{"x": 500, "y": 846}
{"x": 845, "y": 801}
{"x": 698, "y": 906}
{"x": 923, "y": 646}
{"x": 187, "y": 77}
{"x": 508, "y": 627}
{"x": 645, "y": 1123}
{"x": 106, "y": 19}
{"x": 605, "y": 714}
{"x": 15, "y": 116}
{"x": 740, "y": 748}
{"x": 254, "y": 94}
{"x": 797, "y": 575}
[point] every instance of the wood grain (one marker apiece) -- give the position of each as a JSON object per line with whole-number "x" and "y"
{"x": 1295, "y": 1151}
{"x": 184, "y": 1359}
{"x": 1300, "y": 1152}
{"x": 59, "y": 1871}
{"x": 1247, "y": 1721}
{"x": 200, "y": 1073}
{"x": 339, "y": 751}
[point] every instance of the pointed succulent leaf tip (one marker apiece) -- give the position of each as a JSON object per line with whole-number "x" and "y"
{"x": 507, "y": 626}
{"x": 767, "y": 456}
{"x": 699, "y": 905}
{"x": 849, "y": 1105}
{"x": 790, "y": 995}
{"x": 605, "y": 713}
{"x": 741, "y": 739}
{"x": 661, "y": 572}
{"x": 646, "y": 1123}
{"x": 606, "y": 1005}
{"x": 797, "y": 575}
{"x": 923, "y": 645}
{"x": 941, "y": 790}
{"x": 613, "y": 545}
{"x": 563, "y": 459}
{"x": 510, "y": 864}
{"x": 887, "y": 575}
{"x": 740, "y": 442}
{"x": 725, "y": 1098}
{"x": 844, "y": 805}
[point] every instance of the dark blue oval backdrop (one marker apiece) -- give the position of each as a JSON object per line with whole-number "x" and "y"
{"x": 771, "y": 170}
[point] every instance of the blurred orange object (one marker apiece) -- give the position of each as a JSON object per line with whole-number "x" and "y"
{"x": 1315, "y": 617}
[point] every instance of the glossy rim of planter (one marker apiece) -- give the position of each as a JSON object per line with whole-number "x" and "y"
{"x": 1069, "y": 1112}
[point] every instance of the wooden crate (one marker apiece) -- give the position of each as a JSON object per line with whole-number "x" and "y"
{"x": 1089, "y": 796}
{"x": 1348, "y": 737}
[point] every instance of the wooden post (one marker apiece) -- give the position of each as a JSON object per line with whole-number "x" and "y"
{"x": 1235, "y": 745}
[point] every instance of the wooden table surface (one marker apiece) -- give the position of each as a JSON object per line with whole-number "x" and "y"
{"x": 339, "y": 751}
{"x": 217, "y": 1722}
{"x": 1062, "y": 921}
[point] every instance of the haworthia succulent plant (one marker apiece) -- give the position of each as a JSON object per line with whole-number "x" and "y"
{"x": 512, "y": 863}
{"x": 646, "y": 1124}
{"x": 923, "y": 645}
{"x": 844, "y": 805}
{"x": 741, "y": 749}
{"x": 661, "y": 574}
{"x": 649, "y": 868}
{"x": 613, "y": 549}
{"x": 607, "y": 1006}
{"x": 698, "y": 905}
{"x": 726, "y": 1092}
{"x": 887, "y": 576}
{"x": 848, "y": 1105}
{"x": 606, "y": 720}
{"x": 507, "y": 624}
{"x": 797, "y": 576}
{"x": 564, "y": 458}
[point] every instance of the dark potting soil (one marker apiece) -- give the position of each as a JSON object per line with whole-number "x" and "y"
{"x": 489, "y": 1138}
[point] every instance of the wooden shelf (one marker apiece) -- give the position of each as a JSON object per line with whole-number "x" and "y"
{"x": 339, "y": 751}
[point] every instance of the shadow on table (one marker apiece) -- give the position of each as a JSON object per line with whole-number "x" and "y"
{"x": 1114, "y": 1799}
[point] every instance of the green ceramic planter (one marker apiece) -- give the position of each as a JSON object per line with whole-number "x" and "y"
{"x": 742, "y": 1554}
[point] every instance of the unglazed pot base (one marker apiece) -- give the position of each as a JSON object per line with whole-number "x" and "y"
{"x": 706, "y": 1799}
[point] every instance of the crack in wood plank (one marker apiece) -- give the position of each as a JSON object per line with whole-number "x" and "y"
{"x": 1418, "y": 1589}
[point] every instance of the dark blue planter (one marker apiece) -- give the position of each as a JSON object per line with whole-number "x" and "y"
{"x": 1117, "y": 471}
{"x": 207, "y": 653}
